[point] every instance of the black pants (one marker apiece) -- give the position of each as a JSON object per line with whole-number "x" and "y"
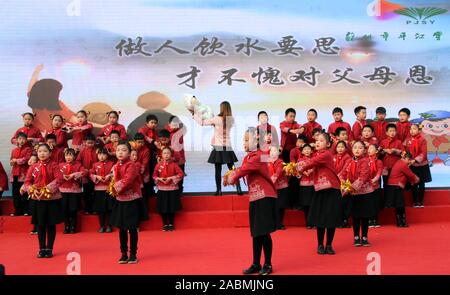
{"x": 260, "y": 243}
{"x": 46, "y": 236}
{"x": 280, "y": 217}
{"x": 88, "y": 196}
{"x": 103, "y": 218}
{"x": 360, "y": 224}
{"x": 418, "y": 192}
{"x": 20, "y": 201}
{"x": 306, "y": 211}
{"x": 168, "y": 218}
{"x": 70, "y": 219}
{"x": 218, "y": 169}
{"x": 180, "y": 184}
{"x": 321, "y": 234}
{"x": 152, "y": 163}
{"x": 123, "y": 236}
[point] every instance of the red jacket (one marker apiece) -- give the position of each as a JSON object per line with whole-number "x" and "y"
{"x": 22, "y": 155}
{"x": 101, "y": 169}
{"x": 307, "y": 180}
{"x": 369, "y": 141}
{"x": 340, "y": 161}
{"x": 335, "y": 125}
{"x": 273, "y": 131}
{"x": 417, "y": 146}
{"x": 259, "y": 180}
{"x": 309, "y": 127}
{"x": 177, "y": 143}
{"x": 125, "y": 175}
{"x": 288, "y": 139}
{"x": 3, "y": 178}
{"x": 44, "y": 174}
{"x": 357, "y": 129}
{"x": 349, "y": 147}
{"x": 325, "y": 175}
{"x": 143, "y": 154}
{"x": 112, "y": 151}
{"x": 403, "y": 130}
{"x": 150, "y": 134}
{"x": 358, "y": 172}
{"x": 400, "y": 174}
{"x": 376, "y": 170}
{"x": 277, "y": 173}
{"x": 140, "y": 177}
{"x": 295, "y": 155}
{"x": 73, "y": 185}
{"x": 166, "y": 170}
{"x": 61, "y": 137}
{"x": 57, "y": 155}
{"x": 79, "y": 135}
{"x": 390, "y": 159}
{"x": 379, "y": 128}
{"x": 34, "y": 135}
{"x": 107, "y": 129}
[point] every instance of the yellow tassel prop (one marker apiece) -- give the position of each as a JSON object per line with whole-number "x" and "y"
{"x": 347, "y": 187}
{"x": 39, "y": 193}
{"x": 225, "y": 177}
{"x": 290, "y": 169}
{"x": 111, "y": 190}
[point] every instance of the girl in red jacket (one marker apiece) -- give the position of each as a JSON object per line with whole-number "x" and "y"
{"x": 306, "y": 192}
{"x": 416, "y": 145}
{"x": 376, "y": 170}
{"x": 262, "y": 196}
{"x": 42, "y": 185}
{"x": 128, "y": 210}
{"x": 326, "y": 211}
{"x": 341, "y": 158}
{"x": 34, "y": 135}
{"x": 362, "y": 204}
{"x": 275, "y": 165}
{"x": 79, "y": 130}
{"x": 400, "y": 175}
{"x": 167, "y": 175}
{"x": 113, "y": 124}
{"x": 58, "y": 131}
{"x": 72, "y": 173}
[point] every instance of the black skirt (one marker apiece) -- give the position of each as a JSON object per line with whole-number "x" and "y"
{"x": 294, "y": 186}
{"x": 168, "y": 201}
{"x": 306, "y": 194}
{"x": 346, "y": 206}
{"x": 363, "y": 206}
{"x": 379, "y": 202}
{"x": 103, "y": 202}
{"x": 222, "y": 155}
{"x": 423, "y": 172}
{"x": 393, "y": 197}
{"x": 326, "y": 209}
{"x": 128, "y": 215}
{"x": 71, "y": 202}
{"x": 47, "y": 212}
{"x": 283, "y": 201}
{"x": 263, "y": 216}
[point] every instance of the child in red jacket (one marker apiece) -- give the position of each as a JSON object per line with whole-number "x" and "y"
{"x": 376, "y": 170}
{"x": 279, "y": 178}
{"x": 341, "y": 158}
{"x": 34, "y": 135}
{"x": 306, "y": 192}
{"x": 167, "y": 176}
{"x": 87, "y": 157}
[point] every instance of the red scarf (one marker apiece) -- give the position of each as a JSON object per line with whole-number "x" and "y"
{"x": 68, "y": 169}
{"x": 43, "y": 171}
{"x": 337, "y": 160}
{"x": 102, "y": 169}
{"x": 373, "y": 165}
{"x": 117, "y": 171}
{"x": 415, "y": 145}
{"x": 271, "y": 166}
{"x": 165, "y": 171}
{"x": 16, "y": 153}
{"x": 352, "y": 167}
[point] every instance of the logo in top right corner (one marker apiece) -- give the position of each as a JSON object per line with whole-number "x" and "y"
{"x": 423, "y": 15}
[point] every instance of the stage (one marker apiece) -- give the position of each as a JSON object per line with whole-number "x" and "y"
{"x": 212, "y": 237}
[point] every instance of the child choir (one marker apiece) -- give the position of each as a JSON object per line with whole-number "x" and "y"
{"x": 338, "y": 174}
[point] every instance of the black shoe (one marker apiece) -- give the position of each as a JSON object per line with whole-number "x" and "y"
{"x": 357, "y": 242}
{"x": 123, "y": 259}
{"x": 370, "y": 222}
{"x": 416, "y": 205}
{"x": 266, "y": 270}
{"x": 403, "y": 221}
{"x": 421, "y": 205}
{"x": 48, "y": 253}
{"x": 365, "y": 242}
{"x": 101, "y": 230}
{"x": 66, "y": 230}
{"x": 133, "y": 259}
{"x": 108, "y": 229}
{"x": 320, "y": 250}
{"x": 329, "y": 250}
{"x": 165, "y": 227}
{"x": 33, "y": 232}
{"x": 309, "y": 227}
{"x": 218, "y": 193}
{"x": 41, "y": 254}
{"x": 170, "y": 227}
{"x": 72, "y": 230}
{"x": 281, "y": 227}
{"x": 345, "y": 224}
{"x": 254, "y": 268}
{"x": 398, "y": 220}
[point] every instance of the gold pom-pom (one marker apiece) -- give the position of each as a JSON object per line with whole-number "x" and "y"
{"x": 46, "y": 193}
{"x": 225, "y": 177}
{"x": 347, "y": 187}
{"x": 111, "y": 190}
{"x": 290, "y": 169}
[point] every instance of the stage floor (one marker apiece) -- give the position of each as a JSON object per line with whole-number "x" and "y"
{"x": 420, "y": 249}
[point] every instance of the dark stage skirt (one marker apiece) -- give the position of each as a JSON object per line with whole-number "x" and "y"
{"x": 379, "y": 202}
{"x": 306, "y": 195}
{"x": 47, "y": 212}
{"x": 222, "y": 155}
{"x": 423, "y": 172}
{"x": 103, "y": 202}
{"x": 294, "y": 187}
{"x": 128, "y": 215}
{"x": 71, "y": 202}
{"x": 393, "y": 197}
{"x": 363, "y": 206}
{"x": 168, "y": 201}
{"x": 263, "y": 216}
{"x": 326, "y": 209}
{"x": 283, "y": 201}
